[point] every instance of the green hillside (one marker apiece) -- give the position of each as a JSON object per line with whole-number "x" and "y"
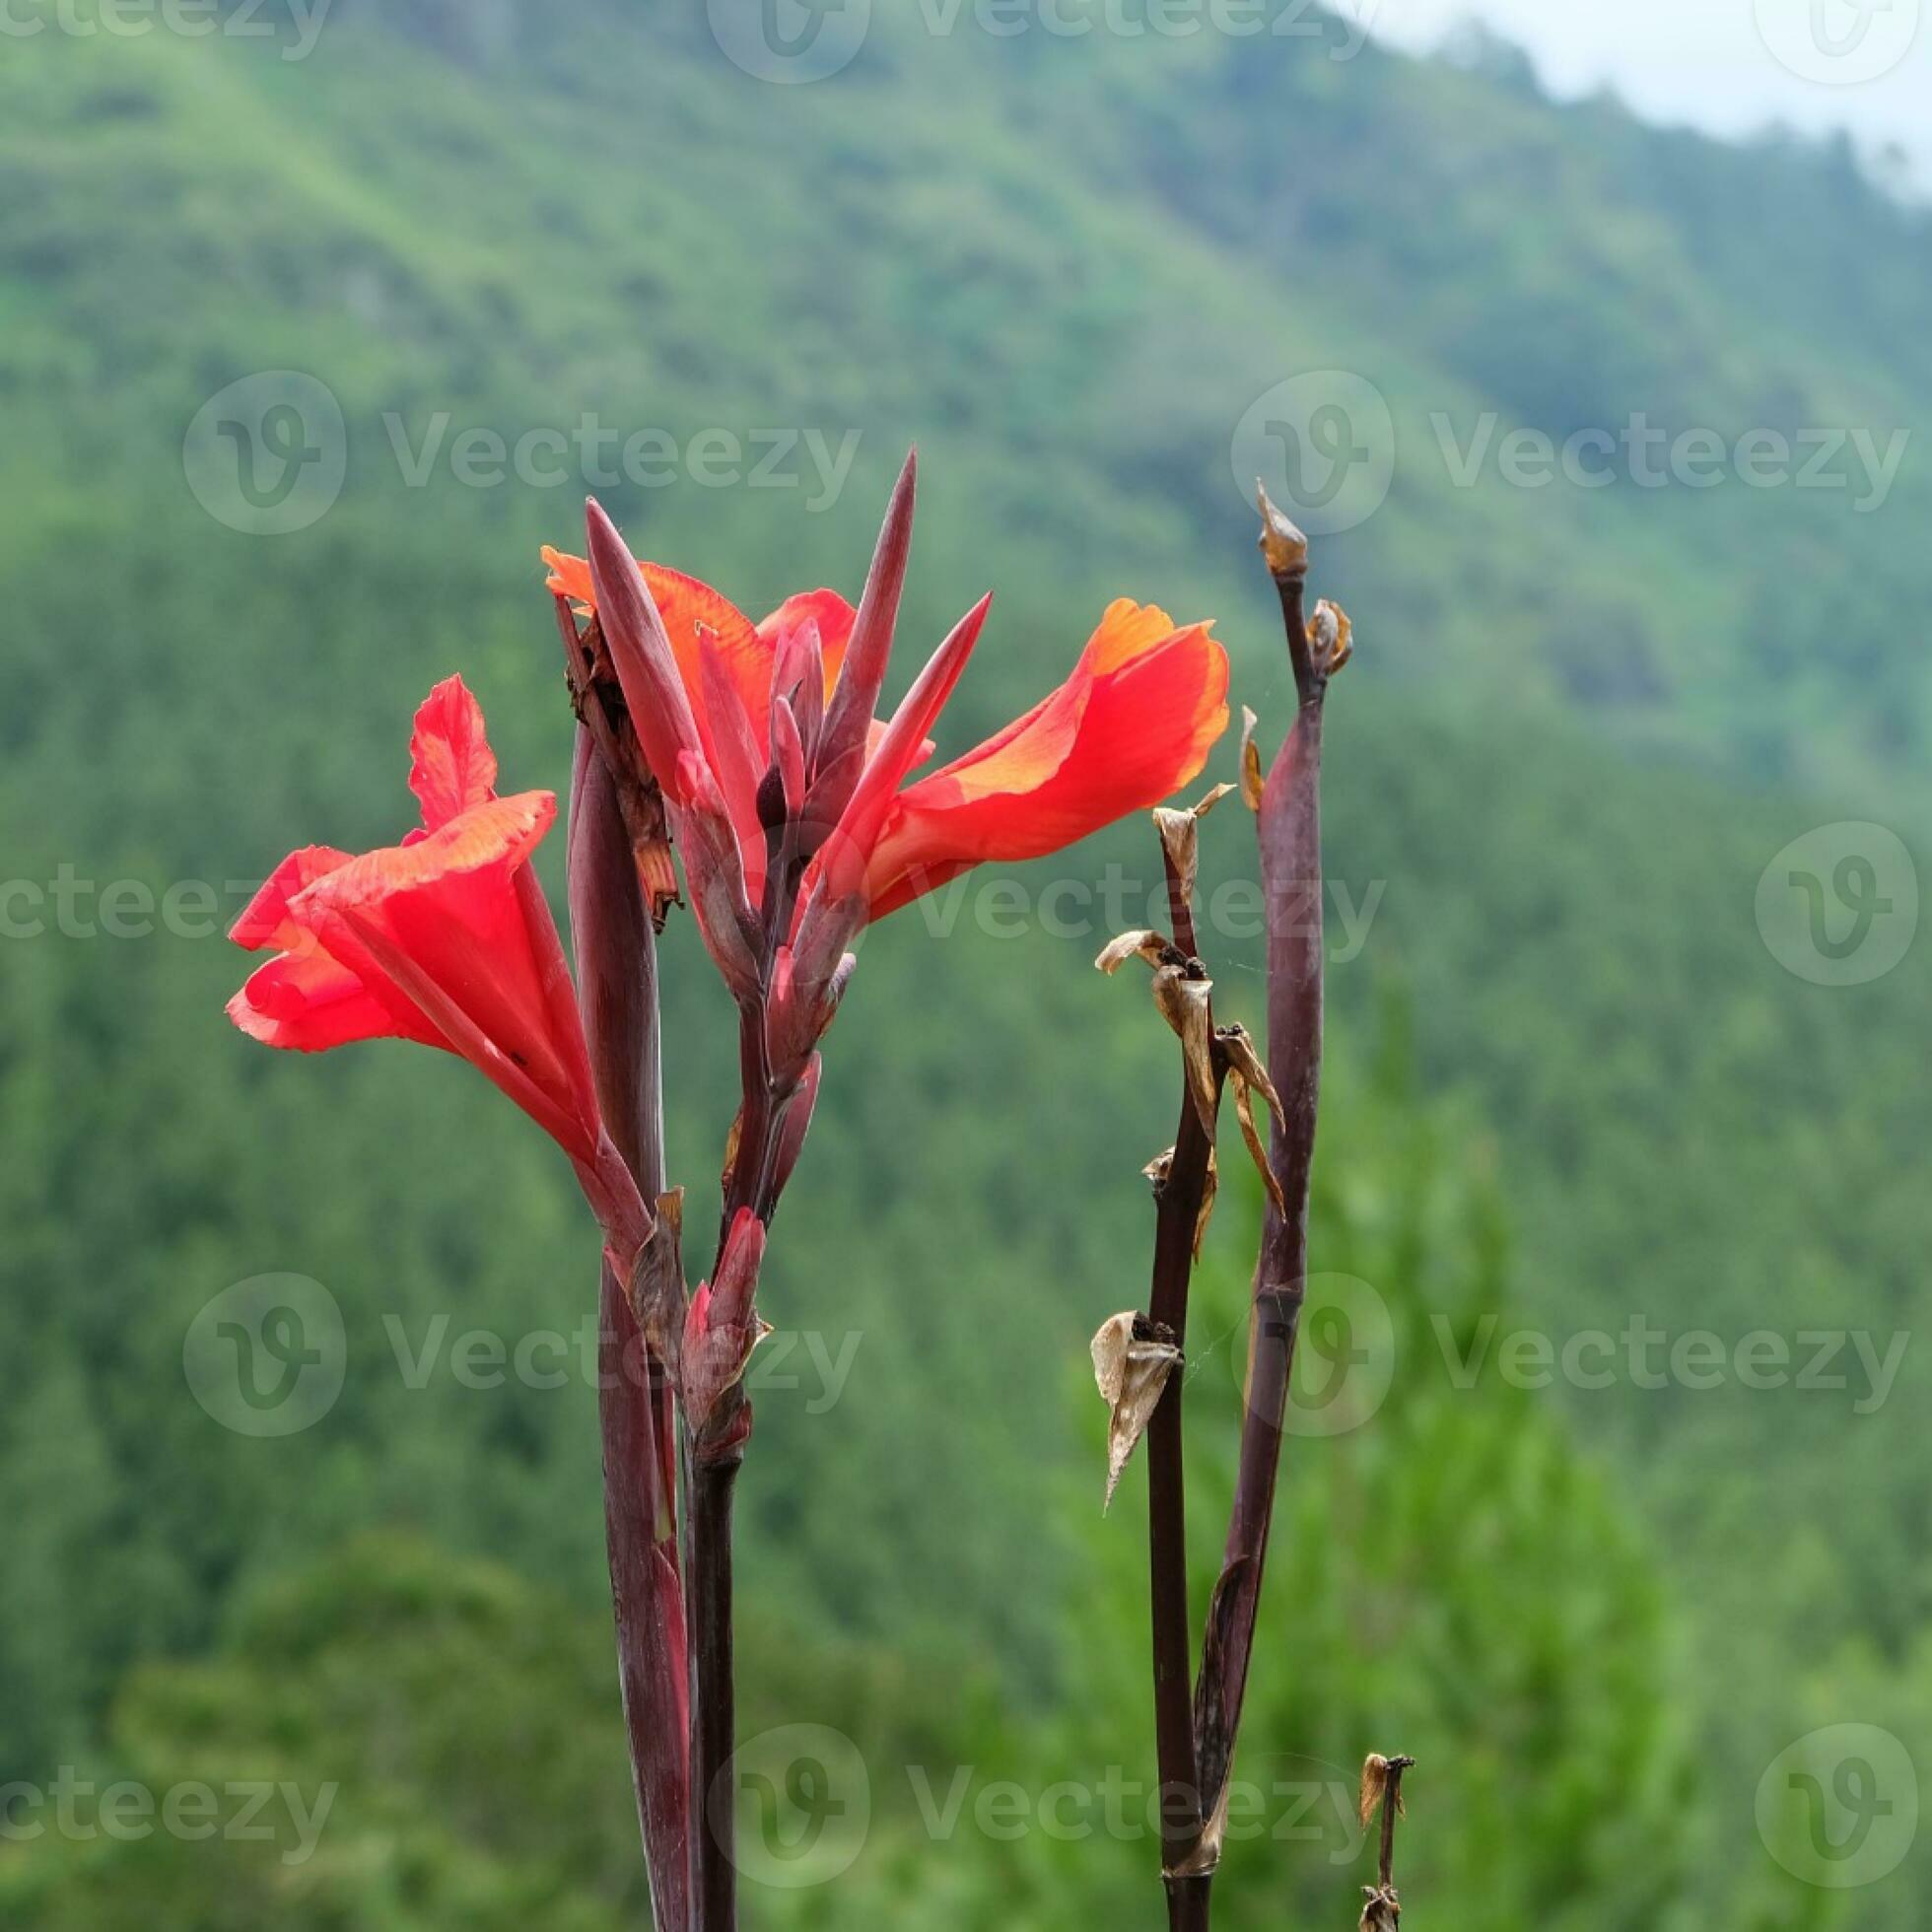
{"x": 1581, "y": 724}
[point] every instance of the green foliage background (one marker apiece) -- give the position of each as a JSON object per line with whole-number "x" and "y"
{"x": 1572, "y": 1086}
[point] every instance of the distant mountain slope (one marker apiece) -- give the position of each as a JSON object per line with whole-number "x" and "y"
{"x": 1078, "y": 260}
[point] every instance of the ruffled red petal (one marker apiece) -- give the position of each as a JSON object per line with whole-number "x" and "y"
{"x": 1134, "y": 724}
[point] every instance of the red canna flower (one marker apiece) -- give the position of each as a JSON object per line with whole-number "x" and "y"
{"x": 445, "y": 938}
{"x": 1132, "y": 724}
{"x": 763, "y": 740}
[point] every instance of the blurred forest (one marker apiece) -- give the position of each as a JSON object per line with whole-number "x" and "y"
{"x": 1571, "y": 1086}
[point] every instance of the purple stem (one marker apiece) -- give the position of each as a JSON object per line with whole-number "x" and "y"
{"x": 1177, "y": 1212}
{"x": 1288, "y": 827}
{"x": 618, "y": 971}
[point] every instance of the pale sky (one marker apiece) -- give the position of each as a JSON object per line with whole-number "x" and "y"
{"x": 1729, "y": 66}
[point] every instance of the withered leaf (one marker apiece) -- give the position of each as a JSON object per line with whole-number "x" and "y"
{"x": 1239, "y": 1046}
{"x": 1129, "y": 1371}
{"x": 1244, "y": 1112}
{"x": 1248, "y": 1076}
{"x": 1180, "y": 839}
{"x": 1376, "y": 1781}
{"x": 1383, "y": 1911}
{"x": 1205, "y": 1213}
{"x": 1206, "y": 1858}
{"x": 1184, "y": 1004}
{"x": 1143, "y": 944}
{"x": 1251, "y": 774}
{"x": 1331, "y": 636}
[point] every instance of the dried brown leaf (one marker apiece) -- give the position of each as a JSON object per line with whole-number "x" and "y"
{"x": 1244, "y": 1112}
{"x": 1130, "y": 1369}
{"x": 1205, "y": 1213}
{"x": 1142, "y": 944}
{"x": 1331, "y": 636}
{"x": 1210, "y": 799}
{"x": 1238, "y": 1044}
{"x": 1252, "y": 780}
{"x": 1383, "y": 1911}
{"x": 1180, "y": 839}
{"x": 1204, "y": 1860}
{"x": 1376, "y": 1781}
{"x": 1183, "y": 1003}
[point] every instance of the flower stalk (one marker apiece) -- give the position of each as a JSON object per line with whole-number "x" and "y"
{"x": 617, "y": 972}
{"x": 1382, "y": 1786}
{"x": 754, "y": 749}
{"x": 1287, "y": 822}
{"x": 1181, "y": 1197}
{"x": 1195, "y": 1735}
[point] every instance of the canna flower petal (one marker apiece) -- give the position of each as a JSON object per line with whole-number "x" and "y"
{"x": 693, "y": 613}
{"x": 305, "y": 998}
{"x": 445, "y": 940}
{"x": 1132, "y": 724}
{"x": 825, "y": 609}
{"x": 841, "y": 866}
{"x": 450, "y": 764}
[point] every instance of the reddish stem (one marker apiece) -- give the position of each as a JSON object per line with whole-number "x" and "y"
{"x": 1288, "y": 827}
{"x": 1177, "y": 1214}
{"x": 618, "y": 971}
